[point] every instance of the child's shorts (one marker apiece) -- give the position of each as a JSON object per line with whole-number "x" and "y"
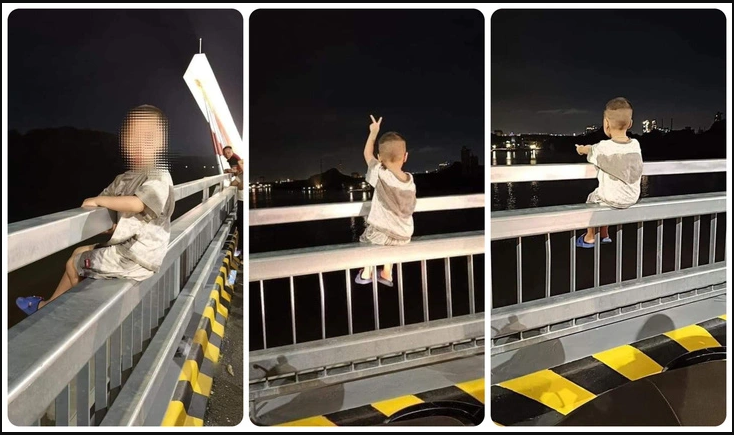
{"x": 376, "y": 237}
{"x": 107, "y": 263}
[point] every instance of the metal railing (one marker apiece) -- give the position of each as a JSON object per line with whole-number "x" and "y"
{"x": 72, "y": 359}
{"x": 275, "y": 371}
{"x": 528, "y": 322}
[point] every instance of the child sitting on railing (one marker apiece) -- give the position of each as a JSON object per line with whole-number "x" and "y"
{"x": 144, "y": 200}
{"x": 390, "y": 221}
{"x": 619, "y": 164}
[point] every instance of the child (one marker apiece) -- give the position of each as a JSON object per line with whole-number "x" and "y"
{"x": 390, "y": 221}
{"x": 143, "y": 198}
{"x": 619, "y": 164}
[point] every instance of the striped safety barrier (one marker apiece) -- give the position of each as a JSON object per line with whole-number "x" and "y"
{"x": 378, "y": 412}
{"x": 543, "y": 398}
{"x": 191, "y": 395}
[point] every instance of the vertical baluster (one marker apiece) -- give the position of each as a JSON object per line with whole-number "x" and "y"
{"x": 547, "y": 265}
{"x": 100, "y": 379}
{"x": 573, "y": 261}
{"x": 323, "y": 306}
{"x": 678, "y": 240}
{"x": 293, "y": 310}
{"x": 659, "y": 247}
{"x": 82, "y": 396}
{"x": 176, "y": 277}
{"x": 262, "y": 313}
{"x": 375, "y": 298}
{"x": 712, "y": 239}
{"x": 640, "y": 235}
{"x": 696, "y": 239}
{"x": 115, "y": 356}
{"x": 147, "y": 314}
{"x": 597, "y": 241}
{"x": 161, "y": 300}
{"x": 424, "y": 289}
{"x": 138, "y": 326}
{"x": 401, "y": 301}
{"x": 62, "y": 407}
{"x": 619, "y": 254}
{"x": 350, "y": 322}
{"x": 127, "y": 341}
{"x": 518, "y": 253}
{"x": 447, "y": 271}
{"x": 470, "y": 273}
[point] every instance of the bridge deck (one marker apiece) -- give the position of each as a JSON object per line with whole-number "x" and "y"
{"x": 542, "y": 398}
{"x": 369, "y": 401}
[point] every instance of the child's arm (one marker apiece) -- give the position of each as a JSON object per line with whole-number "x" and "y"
{"x": 125, "y": 204}
{"x": 583, "y": 149}
{"x": 369, "y": 147}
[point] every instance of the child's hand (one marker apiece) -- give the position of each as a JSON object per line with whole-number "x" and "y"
{"x": 581, "y": 149}
{"x": 375, "y": 126}
{"x": 90, "y": 202}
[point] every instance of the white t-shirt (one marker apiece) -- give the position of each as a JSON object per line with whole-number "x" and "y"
{"x": 620, "y": 171}
{"x": 143, "y": 237}
{"x": 393, "y": 202}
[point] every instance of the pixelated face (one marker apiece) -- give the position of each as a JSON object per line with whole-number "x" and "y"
{"x": 144, "y": 139}
{"x": 228, "y": 152}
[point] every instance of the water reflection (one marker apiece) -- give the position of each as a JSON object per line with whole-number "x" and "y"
{"x": 535, "y": 197}
{"x": 511, "y": 200}
{"x": 644, "y": 187}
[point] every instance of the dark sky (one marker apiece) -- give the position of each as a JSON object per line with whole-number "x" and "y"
{"x": 316, "y": 76}
{"x": 86, "y": 68}
{"x": 553, "y": 71}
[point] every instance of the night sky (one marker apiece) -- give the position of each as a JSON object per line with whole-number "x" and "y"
{"x": 86, "y": 69}
{"x": 316, "y": 76}
{"x": 553, "y": 71}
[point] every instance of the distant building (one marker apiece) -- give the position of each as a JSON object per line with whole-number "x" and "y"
{"x": 646, "y": 126}
{"x": 498, "y": 132}
{"x": 718, "y": 116}
{"x": 443, "y": 165}
{"x": 356, "y": 175}
{"x": 469, "y": 162}
{"x": 591, "y": 128}
{"x": 653, "y": 125}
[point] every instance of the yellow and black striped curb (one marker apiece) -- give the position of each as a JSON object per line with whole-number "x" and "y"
{"x": 545, "y": 397}
{"x": 376, "y": 413}
{"x": 188, "y": 404}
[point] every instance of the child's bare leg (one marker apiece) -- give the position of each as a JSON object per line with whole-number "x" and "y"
{"x": 604, "y": 232}
{"x": 387, "y": 271}
{"x": 367, "y": 272}
{"x": 589, "y": 237}
{"x": 71, "y": 276}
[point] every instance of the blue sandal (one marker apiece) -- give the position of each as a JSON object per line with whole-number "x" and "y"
{"x": 28, "y": 304}
{"x": 581, "y": 243}
{"x": 359, "y": 280}
{"x": 606, "y": 240}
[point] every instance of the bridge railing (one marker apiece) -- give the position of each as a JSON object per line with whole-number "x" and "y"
{"x": 555, "y": 315}
{"x": 70, "y": 360}
{"x": 297, "y": 366}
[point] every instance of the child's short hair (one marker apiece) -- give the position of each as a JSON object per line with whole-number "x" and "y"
{"x": 392, "y": 147}
{"x": 619, "y": 113}
{"x": 150, "y": 115}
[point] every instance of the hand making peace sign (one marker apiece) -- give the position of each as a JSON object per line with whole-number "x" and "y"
{"x": 375, "y": 126}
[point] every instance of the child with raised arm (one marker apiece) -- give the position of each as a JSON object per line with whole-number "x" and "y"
{"x": 143, "y": 198}
{"x": 619, "y": 164}
{"x": 390, "y": 221}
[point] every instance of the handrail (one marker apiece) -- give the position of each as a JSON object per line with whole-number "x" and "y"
{"x": 508, "y": 224}
{"x": 281, "y": 264}
{"x": 33, "y": 239}
{"x": 307, "y": 356}
{"x": 47, "y": 351}
{"x": 303, "y": 213}
{"x": 580, "y": 171}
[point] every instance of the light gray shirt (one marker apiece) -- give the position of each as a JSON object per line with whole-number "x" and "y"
{"x": 143, "y": 237}
{"x": 393, "y": 202}
{"x": 620, "y": 171}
